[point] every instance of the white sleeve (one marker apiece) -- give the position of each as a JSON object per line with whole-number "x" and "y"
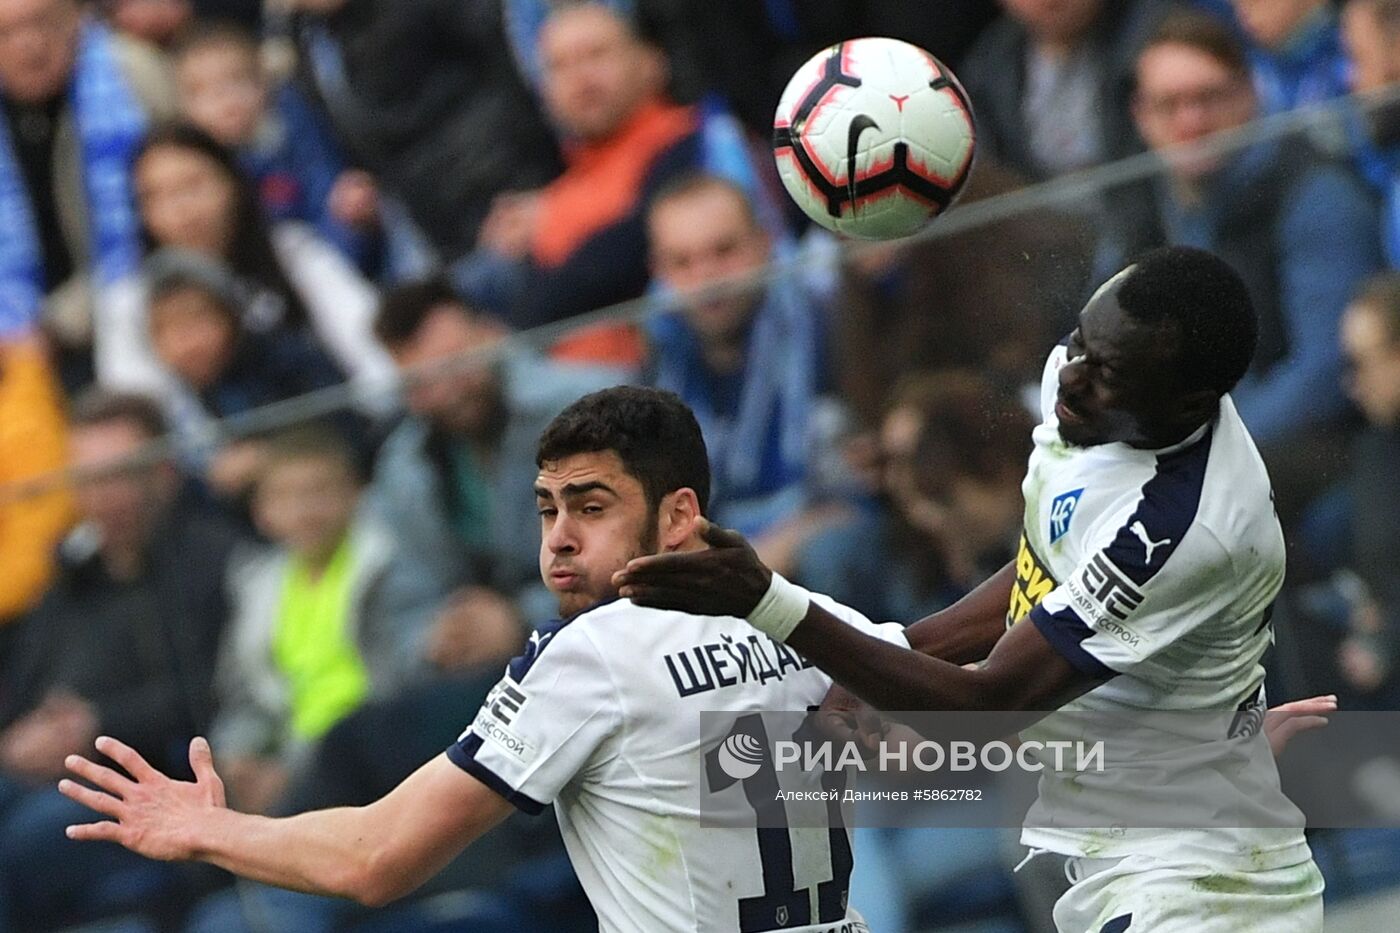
{"x": 342, "y": 306}
{"x": 544, "y": 722}
{"x": 1118, "y": 608}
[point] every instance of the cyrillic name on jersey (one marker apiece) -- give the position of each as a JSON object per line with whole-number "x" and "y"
{"x": 729, "y": 662}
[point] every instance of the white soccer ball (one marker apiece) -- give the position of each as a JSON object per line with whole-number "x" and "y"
{"x": 874, "y": 137}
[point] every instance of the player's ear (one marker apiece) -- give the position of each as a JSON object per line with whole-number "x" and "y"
{"x": 678, "y": 518}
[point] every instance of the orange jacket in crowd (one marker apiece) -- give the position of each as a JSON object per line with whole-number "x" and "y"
{"x": 33, "y": 441}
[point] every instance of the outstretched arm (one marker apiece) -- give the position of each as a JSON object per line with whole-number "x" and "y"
{"x": 372, "y": 854}
{"x": 1023, "y": 671}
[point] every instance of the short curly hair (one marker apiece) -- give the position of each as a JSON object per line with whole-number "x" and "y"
{"x": 1202, "y": 297}
{"x": 652, "y": 431}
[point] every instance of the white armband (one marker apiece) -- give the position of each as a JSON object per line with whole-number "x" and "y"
{"x": 781, "y": 608}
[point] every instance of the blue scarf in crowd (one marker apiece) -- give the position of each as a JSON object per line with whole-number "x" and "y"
{"x": 1310, "y": 69}
{"x": 758, "y": 457}
{"x": 110, "y": 124}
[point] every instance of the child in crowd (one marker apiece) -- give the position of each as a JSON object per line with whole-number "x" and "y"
{"x": 280, "y": 140}
{"x": 196, "y": 328}
{"x": 195, "y": 319}
{"x": 328, "y": 617}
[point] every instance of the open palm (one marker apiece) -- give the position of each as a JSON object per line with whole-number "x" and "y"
{"x": 1283, "y": 722}
{"x": 151, "y": 814}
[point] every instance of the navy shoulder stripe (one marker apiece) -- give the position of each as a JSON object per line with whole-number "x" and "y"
{"x": 1066, "y": 633}
{"x": 463, "y": 755}
{"x": 1170, "y": 501}
{"x": 540, "y": 639}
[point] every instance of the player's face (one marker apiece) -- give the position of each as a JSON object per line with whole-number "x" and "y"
{"x": 1117, "y": 384}
{"x": 1184, "y": 95}
{"x": 594, "y": 518}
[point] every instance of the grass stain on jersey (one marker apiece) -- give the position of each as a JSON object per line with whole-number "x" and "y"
{"x": 1223, "y": 884}
{"x": 663, "y": 848}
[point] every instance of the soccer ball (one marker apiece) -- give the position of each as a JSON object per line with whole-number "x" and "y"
{"x": 873, "y": 138}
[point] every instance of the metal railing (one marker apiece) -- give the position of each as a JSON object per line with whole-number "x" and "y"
{"x": 1327, "y": 122}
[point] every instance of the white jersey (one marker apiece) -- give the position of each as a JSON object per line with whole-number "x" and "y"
{"x": 602, "y": 717}
{"x": 1156, "y": 570}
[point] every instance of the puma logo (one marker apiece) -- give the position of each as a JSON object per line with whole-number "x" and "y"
{"x": 1141, "y": 532}
{"x": 859, "y": 124}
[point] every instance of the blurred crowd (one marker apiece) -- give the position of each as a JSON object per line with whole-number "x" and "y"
{"x": 210, "y": 207}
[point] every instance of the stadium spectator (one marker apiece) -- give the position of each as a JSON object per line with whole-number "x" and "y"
{"x": 447, "y": 479}
{"x": 124, "y": 641}
{"x": 951, "y": 451}
{"x": 947, "y": 29}
{"x": 193, "y": 197}
{"x": 1371, "y": 31}
{"x": 1368, "y": 656}
{"x": 747, "y": 52}
{"x": 1051, "y": 79}
{"x": 326, "y": 691}
{"x": 76, "y": 101}
{"x": 220, "y": 368}
{"x": 328, "y": 617}
{"x": 1295, "y": 51}
{"x": 157, "y": 22}
{"x": 674, "y": 29}
{"x": 196, "y": 318}
{"x": 582, "y": 238}
{"x": 669, "y": 24}
{"x": 749, "y": 360}
{"x": 281, "y": 142}
{"x": 1301, "y": 231}
{"x": 424, "y": 95}
{"x": 33, "y": 442}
